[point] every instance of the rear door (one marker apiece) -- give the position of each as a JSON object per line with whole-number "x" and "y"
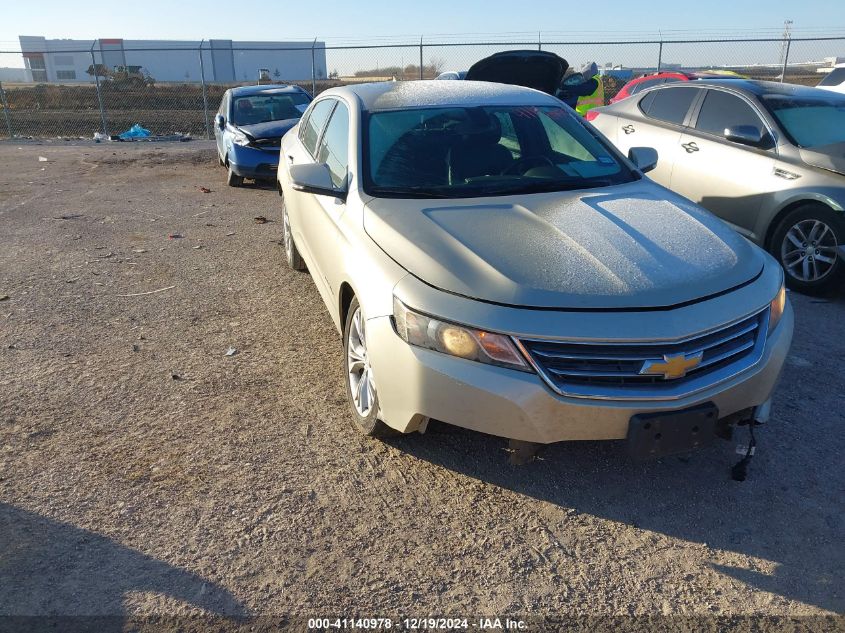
{"x": 724, "y": 177}
{"x": 658, "y": 121}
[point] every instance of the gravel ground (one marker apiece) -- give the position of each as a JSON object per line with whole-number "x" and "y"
{"x": 143, "y": 471}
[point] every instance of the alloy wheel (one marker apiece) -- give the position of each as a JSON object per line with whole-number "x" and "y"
{"x": 358, "y": 366}
{"x": 808, "y": 251}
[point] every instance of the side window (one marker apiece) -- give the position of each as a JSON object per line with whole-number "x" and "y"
{"x": 721, "y": 110}
{"x": 648, "y": 83}
{"x": 334, "y": 147}
{"x": 313, "y": 125}
{"x": 509, "y": 139}
{"x": 668, "y": 104}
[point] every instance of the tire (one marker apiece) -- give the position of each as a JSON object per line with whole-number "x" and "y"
{"x": 806, "y": 244}
{"x": 233, "y": 180}
{"x": 364, "y": 407}
{"x": 292, "y": 256}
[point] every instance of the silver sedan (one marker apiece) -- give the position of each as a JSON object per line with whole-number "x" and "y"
{"x": 769, "y": 158}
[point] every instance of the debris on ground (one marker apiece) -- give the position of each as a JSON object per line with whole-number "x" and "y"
{"x": 260, "y": 219}
{"x": 151, "y": 292}
{"x": 231, "y": 351}
{"x": 175, "y": 376}
{"x": 42, "y": 159}
{"x": 136, "y": 131}
{"x": 197, "y": 247}
{"x": 99, "y": 137}
{"x": 205, "y": 189}
{"x": 4, "y": 297}
{"x": 175, "y": 236}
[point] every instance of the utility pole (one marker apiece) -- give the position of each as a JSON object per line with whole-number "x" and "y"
{"x": 784, "y": 47}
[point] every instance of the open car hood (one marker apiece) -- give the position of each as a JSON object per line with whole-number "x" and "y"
{"x": 269, "y": 129}
{"x": 541, "y": 70}
{"x": 830, "y": 157}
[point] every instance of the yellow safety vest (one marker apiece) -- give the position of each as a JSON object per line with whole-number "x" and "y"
{"x": 594, "y": 100}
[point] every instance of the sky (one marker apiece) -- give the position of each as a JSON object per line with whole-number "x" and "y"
{"x": 379, "y": 20}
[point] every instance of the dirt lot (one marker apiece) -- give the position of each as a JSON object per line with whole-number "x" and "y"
{"x": 144, "y": 471}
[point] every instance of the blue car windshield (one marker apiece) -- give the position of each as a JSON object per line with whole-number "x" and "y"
{"x": 261, "y": 108}
{"x": 454, "y": 152}
{"x": 810, "y": 121}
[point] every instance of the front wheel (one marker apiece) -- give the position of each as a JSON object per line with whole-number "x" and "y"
{"x": 233, "y": 180}
{"x": 806, "y": 243}
{"x": 360, "y": 387}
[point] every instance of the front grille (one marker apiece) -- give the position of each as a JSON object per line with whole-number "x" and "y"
{"x": 613, "y": 370}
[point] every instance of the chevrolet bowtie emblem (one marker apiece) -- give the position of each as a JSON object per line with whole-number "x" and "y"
{"x": 672, "y": 366}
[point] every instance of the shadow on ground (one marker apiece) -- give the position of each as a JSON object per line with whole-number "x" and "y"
{"x": 48, "y": 568}
{"x": 690, "y": 498}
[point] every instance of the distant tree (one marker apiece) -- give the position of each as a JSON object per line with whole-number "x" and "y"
{"x": 277, "y": 74}
{"x": 98, "y": 70}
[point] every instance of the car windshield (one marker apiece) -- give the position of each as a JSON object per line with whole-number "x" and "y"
{"x": 810, "y": 121}
{"x": 454, "y": 152}
{"x": 262, "y": 108}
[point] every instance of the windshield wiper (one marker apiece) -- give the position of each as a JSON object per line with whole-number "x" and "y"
{"x": 410, "y": 192}
{"x": 544, "y": 187}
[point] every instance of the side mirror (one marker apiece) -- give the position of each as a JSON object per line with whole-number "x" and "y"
{"x": 745, "y": 134}
{"x": 644, "y": 158}
{"x": 315, "y": 178}
{"x": 220, "y": 121}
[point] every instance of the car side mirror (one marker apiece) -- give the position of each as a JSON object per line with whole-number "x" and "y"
{"x": 220, "y": 121}
{"x": 315, "y": 178}
{"x": 644, "y": 158}
{"x": 745, "y": 135}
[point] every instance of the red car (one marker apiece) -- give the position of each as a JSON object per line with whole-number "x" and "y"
{"x": 647, "y": 81}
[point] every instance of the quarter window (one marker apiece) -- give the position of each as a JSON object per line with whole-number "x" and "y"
{"x": 334, "y": 146}
{"x": 668, "y": 104}
{"x": 314, "y": 124}
{"x": 722, "y": 110}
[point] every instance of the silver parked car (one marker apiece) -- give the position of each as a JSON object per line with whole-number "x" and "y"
{"x": 768, "y": 158}
{"x": 494, "y": 263}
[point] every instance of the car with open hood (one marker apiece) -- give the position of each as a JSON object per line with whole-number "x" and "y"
{"x": 768, "y": 158}
{"x": 249, "y": 126}
{"x": 495, "y": 263}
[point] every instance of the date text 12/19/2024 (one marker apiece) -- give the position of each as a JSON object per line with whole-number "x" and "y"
{"x": 418, "y": 624}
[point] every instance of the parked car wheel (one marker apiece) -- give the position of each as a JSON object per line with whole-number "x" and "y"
{"x": 806, "y": 243}
{"x": 360, "y": 388}
{"x": 292, "y": 255}
{"x": 233, "y": 180}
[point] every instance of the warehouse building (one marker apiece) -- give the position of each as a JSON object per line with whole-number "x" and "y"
{"x": 65, "y": 60}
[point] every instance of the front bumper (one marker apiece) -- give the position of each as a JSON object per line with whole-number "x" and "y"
{"x": 249, "y": 162}
{"x": 415, "y": 384}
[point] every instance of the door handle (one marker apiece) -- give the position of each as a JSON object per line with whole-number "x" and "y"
{"x": 690, "y": 147}
{"x": 290, "y": 159}
{"x": 628, "y": 129}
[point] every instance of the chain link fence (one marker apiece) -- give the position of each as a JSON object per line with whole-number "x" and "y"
{"x": 98, "y": 96}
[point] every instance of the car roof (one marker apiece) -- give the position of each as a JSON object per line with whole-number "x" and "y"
{"x": 393, "y": 95}
{"x": 265, "y": 89}
{"x": 758, "y": 88}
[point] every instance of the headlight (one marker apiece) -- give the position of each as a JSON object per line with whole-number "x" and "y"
{"x": 456, "y": 340}
{"x": 239, "y": 138}
{"x": 776, "y": 308}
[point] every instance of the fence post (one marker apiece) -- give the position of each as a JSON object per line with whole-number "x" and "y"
{"x": 539, "y": 41}
{"x": 99, "y": 93}
{"x": 313, "y": 70}
{"x": 787, "y": 44}
{"x": 204, "y": 94}
{"x": 6, "y": 110}
{"x": 660, "y": 55}
{"x": 421, "y": 57}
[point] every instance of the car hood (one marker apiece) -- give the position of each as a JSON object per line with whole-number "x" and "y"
{"x": 269, "y": 129}
{"x": 628, "y": 246}
{"x": 830, "y": 157}
{"x": 541, "y": 70}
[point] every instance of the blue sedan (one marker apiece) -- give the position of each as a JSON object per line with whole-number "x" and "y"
{"x": 249, "y": 126}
